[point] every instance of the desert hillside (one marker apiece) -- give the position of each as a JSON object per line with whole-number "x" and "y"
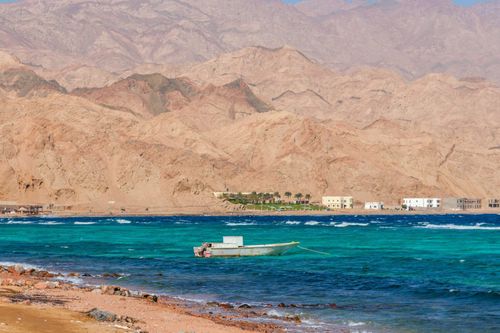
{"x": 288, "y": 123}
{"x": 412, "y": 37}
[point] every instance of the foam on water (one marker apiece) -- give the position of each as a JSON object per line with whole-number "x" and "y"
{"x": 123, "y": 221}
{"x": 274, "y": 313}
{"x": 348, "y": 224}
{"x": 50, "y": 223}
{"x": 239, "y": 224}
{"x": 312, "y": 223}
{"x": 478, "y": 226}
{"x": 24, "y": 265}
{"x": 84, "y": 223}
{"x": 70, "y": 279}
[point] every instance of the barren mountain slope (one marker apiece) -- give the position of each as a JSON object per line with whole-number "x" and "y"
{"x": 78, "y": 76}
{"x": 387, "y": 160}
{"x": 8, "y": 61}
{"x": 121, "y": 34}
{"x": 387, "y": 139}
{"x": 289, "y": 81}
{"x": 317, "y": 8}
{"x": 147, "y": 95}
{"x": 410, "y": 36}
{"x": 152, "y": 94}
{"x": 416, "y": 37}
{"x": 82, "y": 76}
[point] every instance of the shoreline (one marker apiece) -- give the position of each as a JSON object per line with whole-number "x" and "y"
{"x": 352, "y": 212}
{"x": 29, "y": 296}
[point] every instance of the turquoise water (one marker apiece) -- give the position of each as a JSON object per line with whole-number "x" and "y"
{"x": 385, "y": 273}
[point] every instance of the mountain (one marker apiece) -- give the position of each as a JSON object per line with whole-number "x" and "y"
{"x": 291, "y": 82}
{"x": 152, "y": 94}
{"x": 149, "y": 143}
{"x": 416, "y": 37}
{"x": 19, "y": 79}
{"x": 318, "y": 8}
{"x": 144, "y": 94}
{"x": 9, "y": 61}
{"x": 412, "y": 37}
{"x": 78, "y": 76}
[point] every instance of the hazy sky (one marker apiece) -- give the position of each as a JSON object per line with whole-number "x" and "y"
{"x": 462, "y": 2}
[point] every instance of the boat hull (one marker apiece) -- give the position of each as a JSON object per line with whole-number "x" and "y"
{"x": 251, "y": 251}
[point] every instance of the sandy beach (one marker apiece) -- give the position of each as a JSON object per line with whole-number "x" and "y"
{"x": 33, "y": 301}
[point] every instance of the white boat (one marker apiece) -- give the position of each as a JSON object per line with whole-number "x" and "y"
{"x": 232, "y": 246}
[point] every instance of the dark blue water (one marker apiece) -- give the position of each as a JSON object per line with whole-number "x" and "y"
{"x": 384, "y": 273}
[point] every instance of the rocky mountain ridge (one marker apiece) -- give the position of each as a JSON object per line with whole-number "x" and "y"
{"x": 273, "y": 116}
{"x": 411, "y": 37}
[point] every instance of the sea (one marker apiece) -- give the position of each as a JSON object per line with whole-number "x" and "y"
{"x": 408, "y": 273}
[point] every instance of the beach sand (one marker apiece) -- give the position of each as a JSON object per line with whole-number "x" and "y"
{"x": 16, "y": 318}
{"x": 33, "y": 304}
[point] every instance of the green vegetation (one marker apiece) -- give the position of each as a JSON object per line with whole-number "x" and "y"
{"x": 272, "y": 201}
{"x": 284, "y": 207}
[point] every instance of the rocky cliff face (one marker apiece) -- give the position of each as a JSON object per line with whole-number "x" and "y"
{"x": 256, "y": 119}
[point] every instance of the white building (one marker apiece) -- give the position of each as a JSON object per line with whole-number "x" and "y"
{"x": 374, "y": 205}
{"x": 338, "y": 202}
{"x": 410, "y": 203}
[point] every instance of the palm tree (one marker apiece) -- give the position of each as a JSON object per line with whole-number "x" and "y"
{"x": 254, "y": 197}
{"x": 288, "y": 194}
{"x": 308, "y": 197}
{"x": 298, "y": 196}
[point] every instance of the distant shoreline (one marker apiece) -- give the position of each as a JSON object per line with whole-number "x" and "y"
{"x": 354, "y": 212}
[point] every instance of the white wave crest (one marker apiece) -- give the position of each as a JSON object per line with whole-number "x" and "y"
{"x": 123, "y": 221}
{"x": 20, "y": 222}
{"x": 70, "y": 279}
{"x": 349, "y": 224}
{"x": 51, "y": 223}
{"x": 292, "y": 222}
{"x": 478, "y": 226}
{"x": 24, "y": 265}
{"x": 84, "y": 223}
{"x": 274, "y": 313}
{"x": 355, "y": 324}
{"x": 239, "y": 224}
{"x": 312, "y": 223}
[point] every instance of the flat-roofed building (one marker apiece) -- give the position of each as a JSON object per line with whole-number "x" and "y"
{"x": 11, "y": 207}
{"x": 422, "y": 203}
{"x": 7, "y": 207}
{"x": 461, "y": 203}
{"x": 493, "y": 203}
{"x": 374, "y": 205}
{"x": 338, "y": 202}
